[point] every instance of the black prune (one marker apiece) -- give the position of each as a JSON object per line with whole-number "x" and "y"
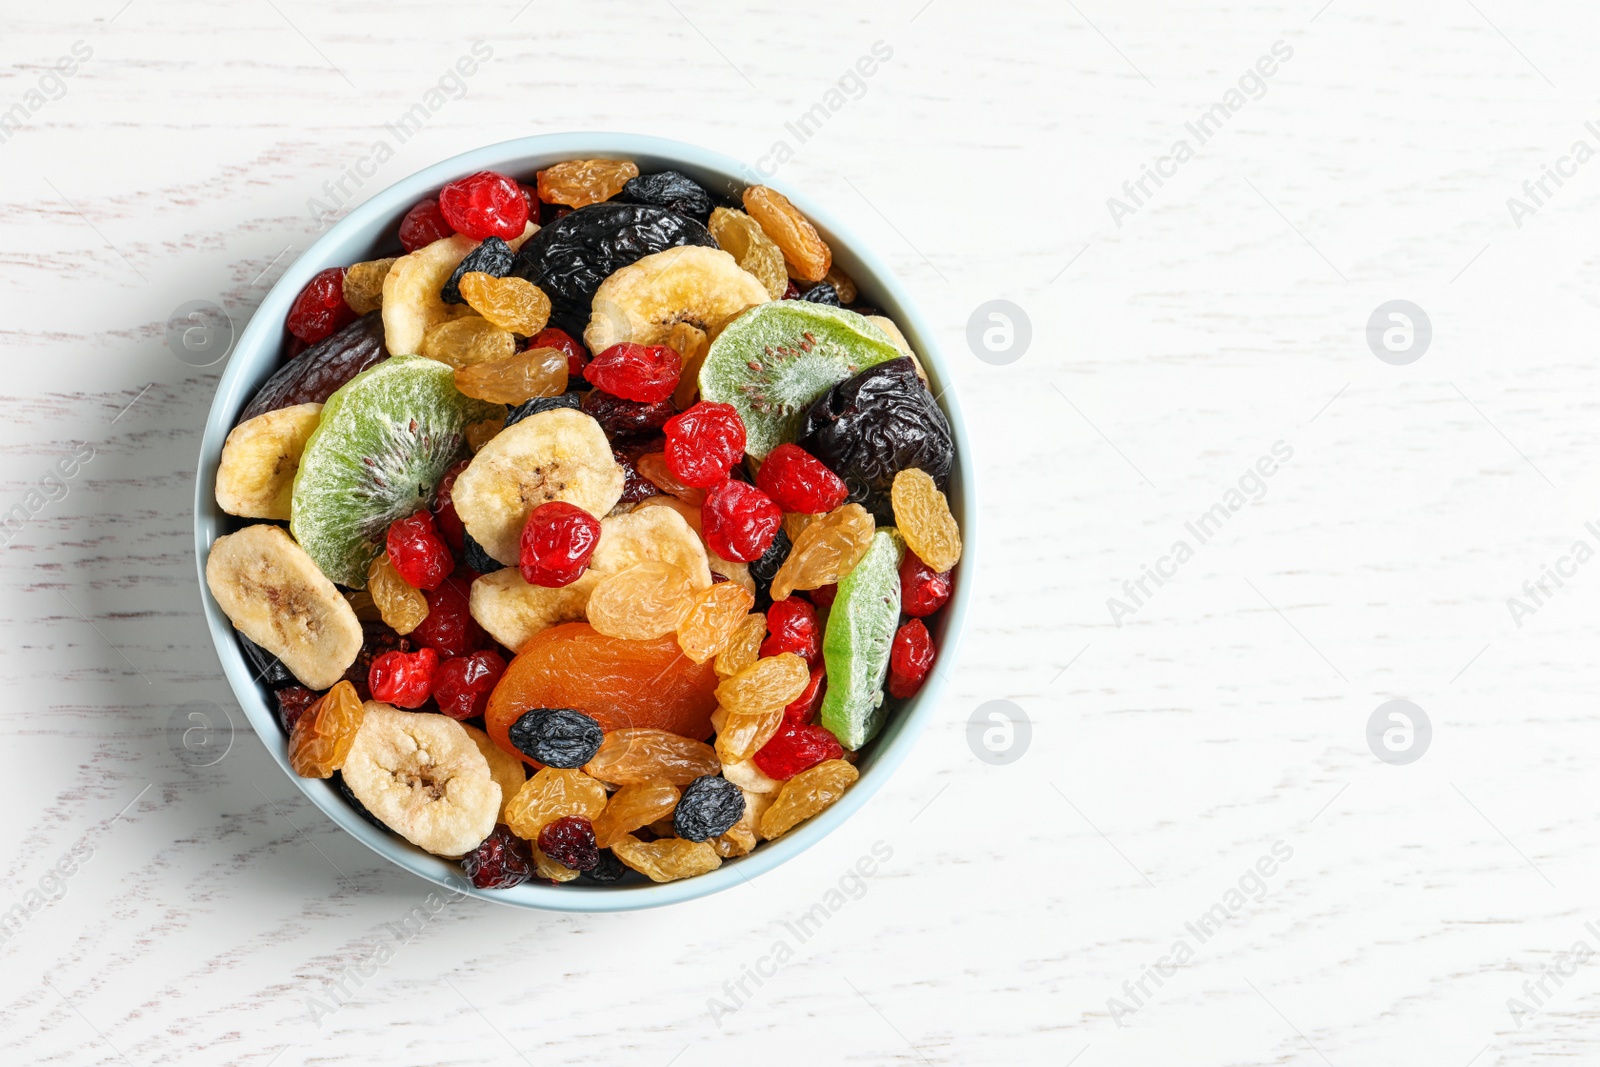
{"x": 314, "y": 375}
{"x": 541, "y": 403}
{"x": 473, "y": 555}
{"x": 870, "y": 427}
{"x": 494, "y": 258}
{"x": 569, "y": 258}
{"x": 763, "y": 570}
{"x": 606, "y": 870}
{"x": 556, "y": 737}
{"x": 671, "y": 190}
{"x": 268, "y": 668}
{"x": 822, "y": 293}
{"x": 710, "y": 805}
{"x": 626, "y": 418}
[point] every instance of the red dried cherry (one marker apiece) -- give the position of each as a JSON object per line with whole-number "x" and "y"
{"x": 646, "y": 373}
{"x": 450, "y": 629}
{"x": 320, "y": 309}
{"x": 794, "y": 748}
{"x": 910, "y": 659}
{"x": 739, "y": 521}
{"x": 502, "y": 861}
{"x": 793, "y": 628}
{"x": 923, "y": 590}
{"x": 444, "y": 509}
{"x": 484, "y": 205}
{"x": 798, "y": 481}
{"x": 570, "y": 842}
{"x": 423, "y": 225}
{"x": 804, "y": 707}
{"x": 404, "y": 679}
{"x": 462, "y": 685}
{"x": 418, "y": 552}
{"x": 577, "y": 355}
{"x": 557, "y": 543}
{"x": 823, "y": 595}
{"x": 704, "y": 443}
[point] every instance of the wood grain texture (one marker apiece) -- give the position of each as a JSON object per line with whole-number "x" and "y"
{"x": 1169, "y": 353}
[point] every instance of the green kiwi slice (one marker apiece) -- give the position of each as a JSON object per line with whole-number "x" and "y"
{"x": 858, "y": 639}
{"x": 386, "y": 438}
{"x": 775, "y": 360}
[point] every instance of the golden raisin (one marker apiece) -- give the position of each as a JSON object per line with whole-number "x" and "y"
{"x": 581, "y": 182}
{"x": 741, "y": 733}
{"x": 363, "y": 605}
{"x": 923, "y": 517}
{"x": 668, "y": 859}
{"x": 545, "y": 867}
{"x": 641, "y": 603}
{"x": 691, "y": 344}
{"x": 516, "y": 378}
{"x": 805, "y": 253}
{"x": 767, "y": 683}
{"x": 712, "y": 616}
{"x": 325, "y": 731}
{"x": 794, "y": 524}
{"x": 552, "y": 794}
{"x": 467, "y": 340}
{"x": 841, "y": 284}
{"x": 743, "y": 647}
{"x": 652, "y": 467}
{"x": 401, "y": 607}
{"x": 806, "y": 794}
{"x": 483, "y": 431}
{"x": 634, "y": 806}
{"x": 826, "y": 550}
{"x": 628, "y": 757}
{"x": 363, "y": 285}
{"x": 739, "y": 235}
{"x": 514, "y": 304}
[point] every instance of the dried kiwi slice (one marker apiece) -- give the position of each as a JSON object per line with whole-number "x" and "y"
{"x": 858, "y": 639}
{"x": 776, "y": 359}
{"x": 386, "y": 438}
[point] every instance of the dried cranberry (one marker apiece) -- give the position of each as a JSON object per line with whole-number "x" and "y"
{"x": 739, "y": 521}
{"x": 462, "y": 685}
{"x": 376, "y": 639}
{"x": 645, "y": 373}
{"x": 804, "y": 707}
{"x": 794, "y": 748}
{"x": 418, "y": 552}
{"x": 404, "y": 679}
{"x": 483, "y": 205}
{"x": 793, "y": 628}
{"x": 923, "y": 590}
{"x": 910, "y": 659}
{"x": 822, "y": 596}
{"x": 423, "y": 225}
{"x": 293, "y": 700}
{"x": 622, "y": 418}
{"x": 797, "y": 481}
{"x": 502, "y": 861}
{"x": 570, "y": 842}
{"x": 577, "y": 355}
{"x": 450, "y": 629}
{"x": 445, "y": 518}
{"x": 557, "y": 543}
{"x": 704, "y": 443}
{"x": 792, "y": 292}
{"x": 320, "y": 311}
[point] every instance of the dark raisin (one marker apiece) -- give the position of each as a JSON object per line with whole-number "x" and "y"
{"x": 822, "y": 293}
{"x": 503, "y": 860}
{"x": 571, "y": 256}
{"x": 493, "y": 257}
{"x": 870, "y": 427}
{"x": 763, "y": 570}
{"x": 556, "y": 737}
{"x": 635, "y": 486}
{"x": 671, "y": 190}
{"x": 293, "y": 700}
{"x": 710, "y": 805}
{"x": 626, "y": 418}
{"x": 864, "y": 310}
{"x": 350, "y": 798}
{"x": 473, "y": 555}
{"x": 313, "y": 375}
{"x": 542, "y": 403}
{"x": 570, "y": 842}
{"x": 607, "y": 869}
{"x": 266, "y": 667}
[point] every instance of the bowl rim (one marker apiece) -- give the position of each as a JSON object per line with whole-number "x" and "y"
{"x": 247, "y": 366}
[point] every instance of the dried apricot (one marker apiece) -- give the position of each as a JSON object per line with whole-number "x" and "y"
{"x": 806, "y": 794}
{"x": 581, "y": 182}
{"x": 826, "y": 550}
{"x": 516, "y": 378}
{"x": 743, "y": 646}
{"x": 634, "y": 806}
{"x": 668, "y": 859}
{"x": 551, "y": 794}
{"x": 628, "y": 757}
{"x": 401, "y": 606}
{"x": 806, "y": 254}
{"x": 514, "y": 304}
{"x": 713, "y": 614}
{"x": 642, "y": 602}
{"x": 324, "y": 733}
{"x": 922, "y": 514}
{"x": 467, "y": 340}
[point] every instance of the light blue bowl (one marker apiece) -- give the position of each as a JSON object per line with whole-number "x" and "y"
{"x": 369, "y": 232}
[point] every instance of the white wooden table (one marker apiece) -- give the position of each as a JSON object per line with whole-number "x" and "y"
{"x": 1048, "y": 910}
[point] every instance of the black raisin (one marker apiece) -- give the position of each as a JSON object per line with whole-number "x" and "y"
{"x": 710, "y": 805}
{"x": 473, "y": 555}
{"x": 870, "y": 427}
{"x": 494, "y": 258}
{"x": 542, "y": 403}
{"x": 267, "y": 667}
{"x": 822, "y": 293}
{"x": 607, "y": 869}
{"x": 626, "y": 418}
{"x": 763, "y": 570}
{"x": 671, "y": 190}
{"x": 556, "y": 737}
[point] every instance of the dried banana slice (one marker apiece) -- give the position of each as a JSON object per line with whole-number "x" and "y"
{"x": 255, "y": 476}
{"x": 643, "y": 301}
{"x": 411, "y": 301}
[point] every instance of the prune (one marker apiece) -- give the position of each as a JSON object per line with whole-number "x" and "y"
{"x": 763, "y": 570}
{"x": 268, "y": 668}
{"x": 607, "y": 869}
{"x": 556, "y": 737}
{"x": 625, "y": 418}
{"x": 350, "y": 799}
{"x": 475, "y": 558}
{"x": 536, "y": 405}
{"x": 293, "y": 700}
{"x": 823, "y": 293}
{"x": 569, "y": 258}
{"x": 494, "y": 258}
{"x": 313, "y": 375}
{"x": 870, "y": 427}
{"x": 671, "y": 190}
{"x": 710, "y": 805}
